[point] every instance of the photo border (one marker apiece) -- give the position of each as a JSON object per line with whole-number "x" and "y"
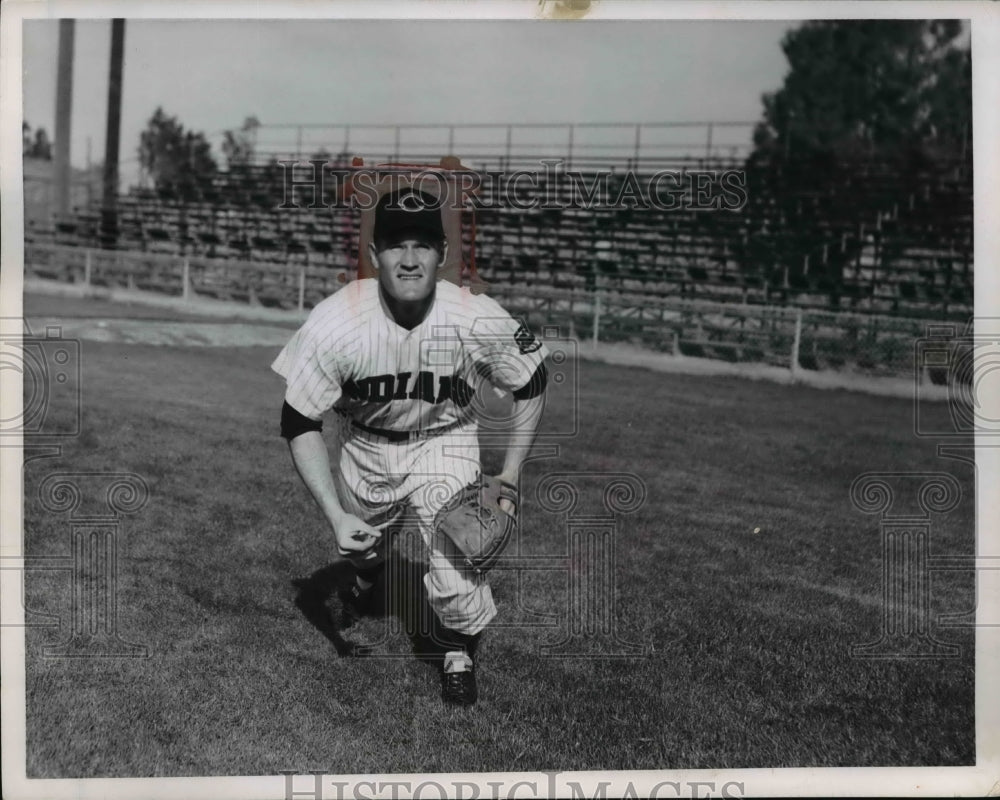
{"x": 982, "y": 779}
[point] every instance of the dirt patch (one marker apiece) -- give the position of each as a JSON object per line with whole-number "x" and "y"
{"x": 167, "y": 333}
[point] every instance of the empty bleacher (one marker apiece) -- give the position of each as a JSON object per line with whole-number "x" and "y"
{"x": 878, "y": 238}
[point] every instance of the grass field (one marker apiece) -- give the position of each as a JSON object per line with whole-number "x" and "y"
{"x": 749, "y": 633}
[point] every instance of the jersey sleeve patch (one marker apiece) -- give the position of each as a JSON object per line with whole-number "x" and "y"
{"x": 526, "y": 341}
{"x": 503, "y": 348}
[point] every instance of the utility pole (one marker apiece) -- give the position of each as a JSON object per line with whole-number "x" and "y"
{"x": 109, "y": 204}
{"x": 61, "y": 168}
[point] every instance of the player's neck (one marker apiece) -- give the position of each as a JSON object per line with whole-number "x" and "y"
{"x": 406, "y": 315}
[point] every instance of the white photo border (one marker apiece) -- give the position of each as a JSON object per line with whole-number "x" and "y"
{"x": 982, "y": 779}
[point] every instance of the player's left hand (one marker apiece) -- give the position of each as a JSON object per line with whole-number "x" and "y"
{"x": 476, "y": 521}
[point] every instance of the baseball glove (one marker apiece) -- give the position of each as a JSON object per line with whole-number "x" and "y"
{"x": 474, "y": 521}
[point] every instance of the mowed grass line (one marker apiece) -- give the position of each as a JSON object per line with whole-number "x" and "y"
{"x": 750, "y": 632}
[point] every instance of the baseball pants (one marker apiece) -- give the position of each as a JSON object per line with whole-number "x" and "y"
{"x": 378, "y": 480}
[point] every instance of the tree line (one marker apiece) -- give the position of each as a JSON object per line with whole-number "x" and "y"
{"x": 884, "y": 89}
{"x": 894, "y": 90}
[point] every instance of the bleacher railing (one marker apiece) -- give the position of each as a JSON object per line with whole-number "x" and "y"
{"x": 791, "y": 338}
{"x": 512, "y": 146}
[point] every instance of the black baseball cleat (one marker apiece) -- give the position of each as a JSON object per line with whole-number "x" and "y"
{"x": 355, "y": 603}
{"x": 458, "y": 679}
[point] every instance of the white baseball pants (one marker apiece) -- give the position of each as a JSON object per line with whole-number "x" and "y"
{"x": 376, "y": 477}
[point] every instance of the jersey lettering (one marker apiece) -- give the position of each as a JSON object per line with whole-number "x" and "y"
{"x": 423, "y": 387}
{"x": 380, "y": 388}
{"x": 455, "y": 389}
{"x": 401, "y": 380}
{"x": 385, "y": 388}
{"x": 352, "y": 390}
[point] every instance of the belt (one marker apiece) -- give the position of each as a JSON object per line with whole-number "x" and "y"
{"x": 398, "y": 437}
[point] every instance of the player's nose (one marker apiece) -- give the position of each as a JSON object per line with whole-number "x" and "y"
{"x": 409, "y": 259}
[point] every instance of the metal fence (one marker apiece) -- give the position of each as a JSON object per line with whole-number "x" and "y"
{"x": 510, "y": 145}
{"x": 263, "y": 283}
{"x": 793, "y": 338}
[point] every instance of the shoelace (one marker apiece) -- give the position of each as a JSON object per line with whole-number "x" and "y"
{"x": 458, "y": 684}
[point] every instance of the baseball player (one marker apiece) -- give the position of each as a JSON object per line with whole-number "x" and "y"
{"x": 399, "y": 358}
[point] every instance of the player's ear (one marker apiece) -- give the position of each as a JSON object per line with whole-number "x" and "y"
{"x": 373, "y": 255}
{"x": 444, "y": 253}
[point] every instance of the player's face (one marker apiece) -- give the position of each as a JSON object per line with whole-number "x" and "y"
{"x": 407, "y": 269}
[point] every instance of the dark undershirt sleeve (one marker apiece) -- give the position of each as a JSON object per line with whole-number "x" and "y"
{"x": 535, "y": 386}
{"x": 294, "y": 424}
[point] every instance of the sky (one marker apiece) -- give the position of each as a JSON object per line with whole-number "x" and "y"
{"x": 212, "y": 74}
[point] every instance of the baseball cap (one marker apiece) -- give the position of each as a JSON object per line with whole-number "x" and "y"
{"x": 408, "y": 211}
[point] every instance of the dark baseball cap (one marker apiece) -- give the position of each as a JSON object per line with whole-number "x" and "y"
{"x": 408, "y": 212}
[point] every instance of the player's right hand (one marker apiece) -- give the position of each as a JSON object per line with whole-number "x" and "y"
{"x": 354, "y": 534}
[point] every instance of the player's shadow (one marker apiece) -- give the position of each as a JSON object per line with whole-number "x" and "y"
{"x": 399, "y": 593}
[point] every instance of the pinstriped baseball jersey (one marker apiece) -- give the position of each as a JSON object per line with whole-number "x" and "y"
{"x": 351, "y": 356}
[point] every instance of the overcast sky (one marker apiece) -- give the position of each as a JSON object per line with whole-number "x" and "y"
{"x": 212, "y": 74}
